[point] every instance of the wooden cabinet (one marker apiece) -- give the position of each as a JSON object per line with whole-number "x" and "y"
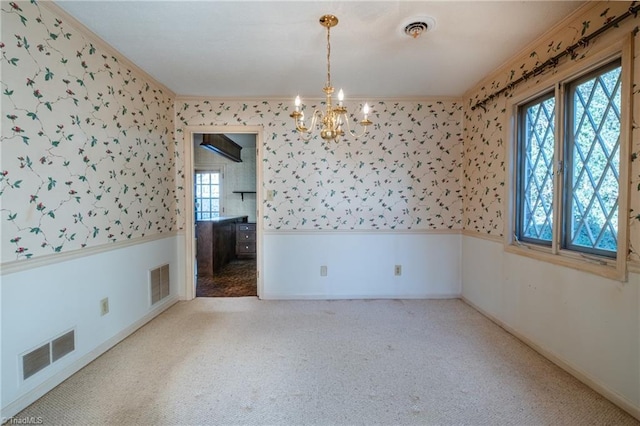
{"x": 246, "y": 240}
{"x": 216, "y": 243}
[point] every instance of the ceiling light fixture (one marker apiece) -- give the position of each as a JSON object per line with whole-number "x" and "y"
{"x": 334, "y": 117}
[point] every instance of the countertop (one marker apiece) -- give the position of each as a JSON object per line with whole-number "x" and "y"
{"x": 226, "y": 219}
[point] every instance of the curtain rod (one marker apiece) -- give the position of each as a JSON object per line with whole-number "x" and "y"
{"x": 552, "y": 62}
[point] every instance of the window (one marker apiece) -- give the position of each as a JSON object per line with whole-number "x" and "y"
{"x": 593, "y": 162}
{"x": 568, "y": 184}
{"x": 207, "y": 199}
{"x": 535, "y": 165}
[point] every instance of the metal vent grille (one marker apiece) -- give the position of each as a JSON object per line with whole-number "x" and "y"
{"x": 63, "y": 345}
{"x": 159, "y": 283}
{"x": 45, "y": 355}
{"x": 35, "y": 361}
{"x": 415, "y": 29}
{"x": 417, "y": 26}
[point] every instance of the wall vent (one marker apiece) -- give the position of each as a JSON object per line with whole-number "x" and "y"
{"x": 45, "y": 355}
{"x": 63, "y": 345}
{"x": 160, "y": 288}
{"x": 36, "y": 360}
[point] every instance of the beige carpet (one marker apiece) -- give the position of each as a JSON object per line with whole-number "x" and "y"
{"x": 241, "y": 361}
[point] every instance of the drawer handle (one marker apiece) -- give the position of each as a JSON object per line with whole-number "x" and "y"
{"x": 246, "y": 247}
{"x": 246, "y": 236}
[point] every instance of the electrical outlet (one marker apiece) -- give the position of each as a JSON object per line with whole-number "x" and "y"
{"x": 397, "y": 270}
{"x": 270, "y": 193}
{"x": 323, "y": 271}
{"x": 104, "y": 306}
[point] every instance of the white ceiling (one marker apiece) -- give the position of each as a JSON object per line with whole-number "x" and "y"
{"x": 258, "y": 49}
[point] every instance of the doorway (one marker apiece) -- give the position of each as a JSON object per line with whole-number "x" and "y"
{"x": 223, "y": 233}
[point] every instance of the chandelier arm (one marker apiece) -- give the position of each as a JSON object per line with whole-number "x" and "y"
{"x": 314, "y": 119}
{"x": 308, "y": 131}
{"x": 351, "y": 132}
{"x": 305, "y": 136}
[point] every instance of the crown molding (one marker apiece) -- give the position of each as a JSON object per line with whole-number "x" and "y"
{"x": 52, "y": 7}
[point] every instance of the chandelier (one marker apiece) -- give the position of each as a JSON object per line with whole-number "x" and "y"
{"x": 334, "y": 117}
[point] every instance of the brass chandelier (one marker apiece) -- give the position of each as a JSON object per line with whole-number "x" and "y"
{"x": 334, "y": 118}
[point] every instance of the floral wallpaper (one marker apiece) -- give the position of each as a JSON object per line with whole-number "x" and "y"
{"x": 87, "y": 144}
{"x": 92, "y": 151}
{"x": 405, "y": 174}
{"x": 485, "y": 173}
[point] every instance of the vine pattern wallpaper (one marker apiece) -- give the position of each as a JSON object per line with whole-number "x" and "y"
{"x": 485, "y": 175}
{"x": 405, "y": 174}
{"x": 92, "y": 152}
{"x": 87, "y": 144}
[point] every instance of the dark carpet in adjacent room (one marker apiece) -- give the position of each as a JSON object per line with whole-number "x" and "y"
{"x": 236, "y": 279}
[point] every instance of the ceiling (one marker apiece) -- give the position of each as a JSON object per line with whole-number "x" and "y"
{"x": 256, "y": 49}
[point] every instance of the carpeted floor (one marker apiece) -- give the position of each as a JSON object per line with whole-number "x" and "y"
{"x": 245, "y": 361}
{"x": 236, "y": 279}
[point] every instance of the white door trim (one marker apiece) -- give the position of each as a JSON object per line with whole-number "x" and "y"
{"x": 189, "y": 167}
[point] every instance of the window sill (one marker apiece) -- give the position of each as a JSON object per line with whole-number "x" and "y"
{"x": 607, "y": 268}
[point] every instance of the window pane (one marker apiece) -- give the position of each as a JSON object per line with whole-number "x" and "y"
{"x": 594, "y": 150}
{"x": 207, "y": 195}
{"x": 535, "y": 198}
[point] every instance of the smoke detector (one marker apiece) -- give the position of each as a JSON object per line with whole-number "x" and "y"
{"x": 417, "y": 26}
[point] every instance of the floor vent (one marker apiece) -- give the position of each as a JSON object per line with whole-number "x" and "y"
{"x": 159, "y": 283}
{"x": 50, "y": 352}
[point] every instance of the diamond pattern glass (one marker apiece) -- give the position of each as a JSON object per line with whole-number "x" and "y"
{"x": 595, "y": 155}
{"x": 536, "y": 204}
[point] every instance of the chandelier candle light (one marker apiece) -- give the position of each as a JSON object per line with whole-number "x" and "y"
{"x": 334, "y": 117}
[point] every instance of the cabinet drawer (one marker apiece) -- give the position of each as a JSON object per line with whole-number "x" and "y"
{"x": 248, "y": 248}
{"x": 246, "y": 227}
{"x": 245, "y": 236}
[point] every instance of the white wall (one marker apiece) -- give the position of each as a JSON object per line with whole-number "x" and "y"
{"x": 360, "y": 265}
{"x": 587, "y": 324}
{"x": 41, "y": 303}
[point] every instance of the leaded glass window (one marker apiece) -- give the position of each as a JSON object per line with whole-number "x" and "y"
{"x": 581, "y": 171}
{"x": 593, "y": 153}
{"x": 536, "y": 154}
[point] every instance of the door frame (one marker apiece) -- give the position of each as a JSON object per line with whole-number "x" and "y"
{"x": 189, "y": 170}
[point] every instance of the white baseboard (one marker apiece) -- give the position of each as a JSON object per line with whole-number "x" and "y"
{"x": 567, "y": 366}
{"x": 32, "y": 396}
{"x": 289, "y": 296}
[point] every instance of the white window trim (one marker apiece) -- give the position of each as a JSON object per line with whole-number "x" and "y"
{"x": 609, "y": 268}
{"x": 213, "y": 169}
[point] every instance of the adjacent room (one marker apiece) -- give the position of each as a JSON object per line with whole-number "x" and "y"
{"x": 225, "y": 214}
{"x": 328, "y": 212}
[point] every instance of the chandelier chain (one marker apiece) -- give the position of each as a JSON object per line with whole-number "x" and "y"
{"x": 328, "y": 57}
